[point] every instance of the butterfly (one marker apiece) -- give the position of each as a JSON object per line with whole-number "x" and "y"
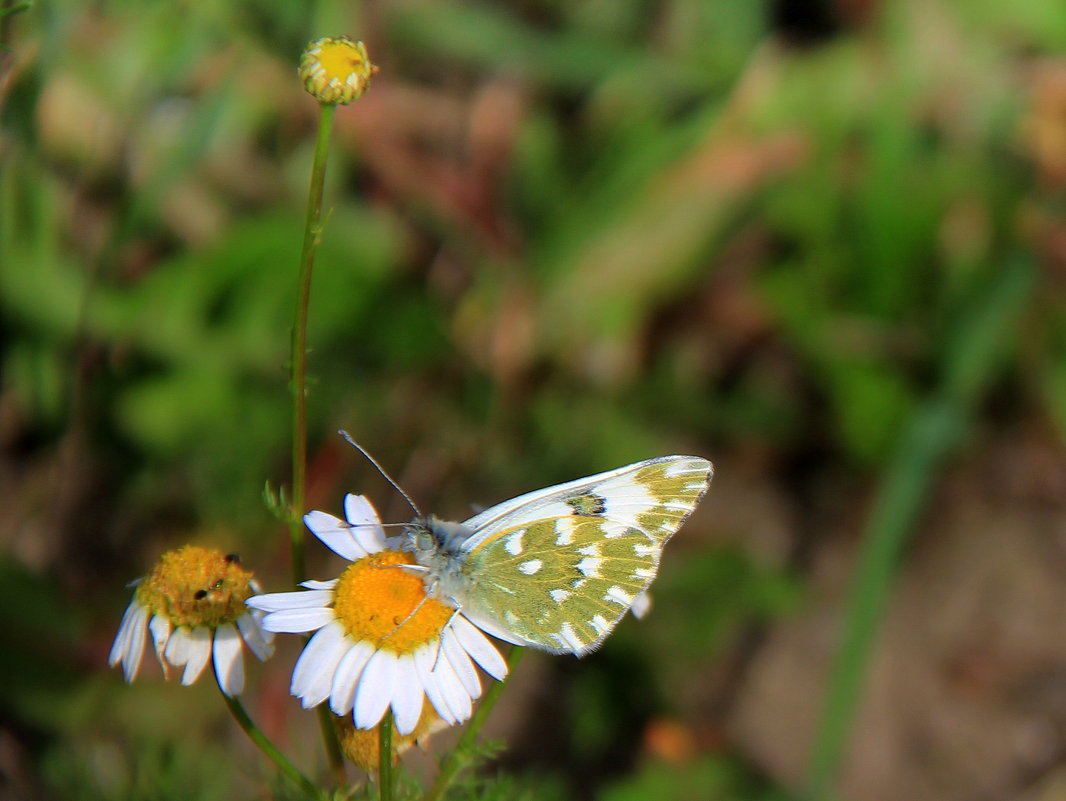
{"x": 557, "y": 568}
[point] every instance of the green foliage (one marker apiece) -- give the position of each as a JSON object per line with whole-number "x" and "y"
{"x": 560, "y": 237}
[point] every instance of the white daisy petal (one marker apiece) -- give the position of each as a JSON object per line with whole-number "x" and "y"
{"x": 297, "y": 621}
{"x": 424, "y": 659}
{"x": 482, "y": 651}
{"x": 135, "y": 649}
{"x": 278, "y": 601}
{"x": 122, "y": 639}
{"x": 464, "y": 668}
{"x": 363, "y": 518}
{"x": 346, "y": 677}
{"x": 198, "y": 652}
{"x": 259, "y": 641}
{"x": 407, "y": 694}
{"x": 161, "y": 629}
{"x": 335, "y": 534}
{"x": 177, "y": 650}
{"x": 120, "y": 649}
{"x": 313, "y": 675}
{"x": 229, "y": 666}
{"x": 314, "y": 584}
{"x": 494, "y": 629}
{"x": 375, "y": 689}
{"x": 455, "y": 694}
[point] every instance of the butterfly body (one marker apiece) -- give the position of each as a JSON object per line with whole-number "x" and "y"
{"x": 558, "y": 568}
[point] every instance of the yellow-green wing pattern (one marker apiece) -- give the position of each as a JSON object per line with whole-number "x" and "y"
{"x": 559, "y": 568}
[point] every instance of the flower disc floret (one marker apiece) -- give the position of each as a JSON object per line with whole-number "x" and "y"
{"x": 379, "y": 602}
{"x": 196, "y": 586}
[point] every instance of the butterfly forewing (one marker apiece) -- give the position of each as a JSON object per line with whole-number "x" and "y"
{"x": 560, "y": 567}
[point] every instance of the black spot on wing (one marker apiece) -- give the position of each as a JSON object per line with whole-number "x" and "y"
{"x": 587, "y": 504}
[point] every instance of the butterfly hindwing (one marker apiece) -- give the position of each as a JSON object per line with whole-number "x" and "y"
{"x": 558, "y": 568}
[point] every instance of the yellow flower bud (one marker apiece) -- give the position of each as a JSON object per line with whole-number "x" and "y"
{"x": 336, "y": 69}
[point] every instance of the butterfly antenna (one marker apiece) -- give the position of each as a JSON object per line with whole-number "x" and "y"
{"x": 380, "y": 469}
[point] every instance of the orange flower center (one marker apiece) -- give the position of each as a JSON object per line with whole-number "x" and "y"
{"x": 387, "y": 606}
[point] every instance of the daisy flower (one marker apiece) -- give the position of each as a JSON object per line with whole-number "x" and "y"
{"x": 192, "y": 602}
{"x": 380, "y": 640}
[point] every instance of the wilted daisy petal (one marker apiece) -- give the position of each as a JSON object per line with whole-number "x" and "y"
{"x": 198, "y": 651}
{"x": 191, "y": 595}
{"x": 129, "y": 644}
{"x": 260, "y": 642}
{"x": 161, "y": 629}
{"x": 177, "y": 648}
{"x": 229, "y": 667}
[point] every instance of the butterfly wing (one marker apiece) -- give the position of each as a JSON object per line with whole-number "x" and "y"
{"x": 558, "y": 568}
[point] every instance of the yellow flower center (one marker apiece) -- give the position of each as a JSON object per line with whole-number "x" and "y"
{"x": 387, "y": 606}
{"x": 195, "y": 586}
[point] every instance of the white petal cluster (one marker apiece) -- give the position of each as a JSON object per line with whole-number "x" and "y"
{"x": 190, "y": 649}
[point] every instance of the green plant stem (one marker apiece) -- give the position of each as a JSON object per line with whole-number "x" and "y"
{"x": 298, "y": 381}
{"x": 298, "y": 361}
{"x": 453, "y": 762}
{"x": 386, "y": 779}
{"x": 256, "y": 735}
{"x": 933, "y": 433}
{"x": 334, "y": 755}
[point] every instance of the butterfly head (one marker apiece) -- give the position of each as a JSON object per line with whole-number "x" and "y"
{"x": 430, "y": 538}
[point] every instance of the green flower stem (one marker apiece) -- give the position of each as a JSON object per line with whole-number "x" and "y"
{"x": 298, "y": 381}
{"x": 312, "y": 237}
{"x": 256, "y": 735}
{"x": 454, "y": 762}
{"x": 386, "y": 778}
{"x": 332, "y": 745}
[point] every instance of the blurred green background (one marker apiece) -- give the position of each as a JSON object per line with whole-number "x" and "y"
{"x": 820, "y": 243}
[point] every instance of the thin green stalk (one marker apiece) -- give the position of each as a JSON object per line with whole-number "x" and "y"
{"x": 256, "y": 735}
{"x": 971, "y": 357}
{"x": 298, "y": 361}
{"x": 386, "y": 777}
{"x": 454, "y": 761}
{"x": 298, "y": 380}
{"x": 334, "y": 755}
